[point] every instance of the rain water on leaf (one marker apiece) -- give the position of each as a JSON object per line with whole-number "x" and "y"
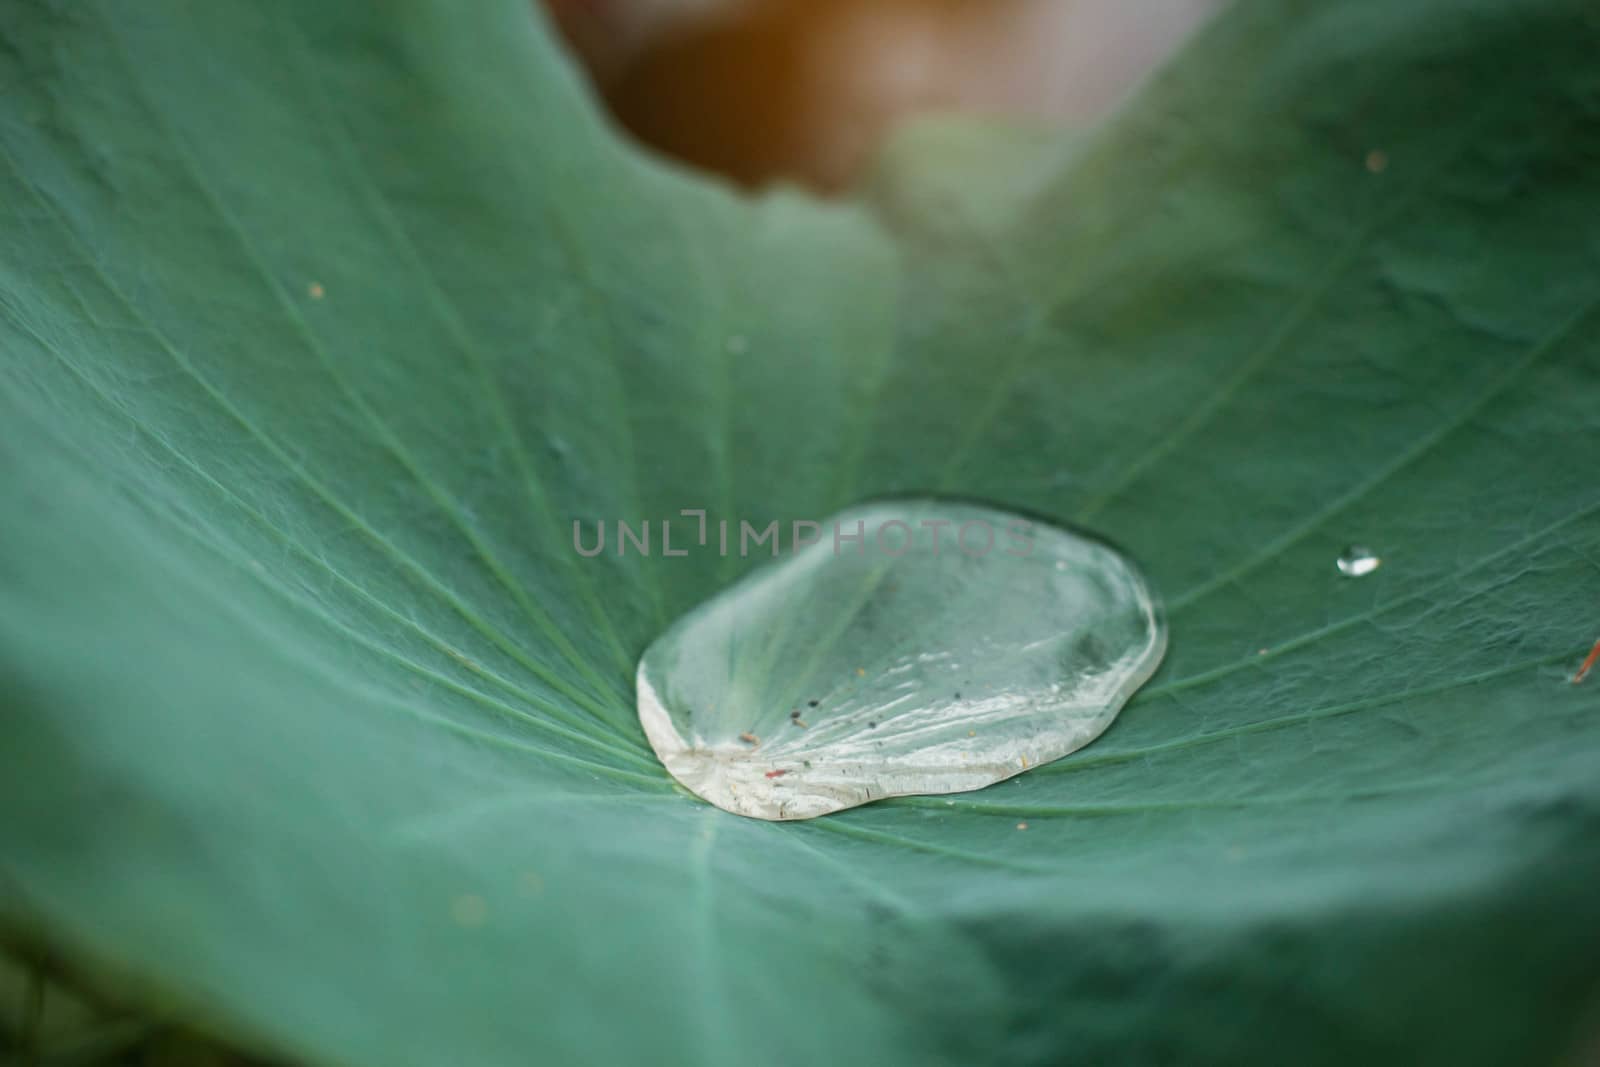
{"x": 918, "y": 647}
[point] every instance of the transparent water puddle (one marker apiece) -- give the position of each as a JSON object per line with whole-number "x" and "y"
{"x": 951, "y": 647}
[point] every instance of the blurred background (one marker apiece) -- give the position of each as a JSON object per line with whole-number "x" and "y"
{"x": 803, "y": 91}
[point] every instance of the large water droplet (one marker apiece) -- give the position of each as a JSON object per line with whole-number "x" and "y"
{"x": 949, "y": 648}
{"x": 1357, "y": 561}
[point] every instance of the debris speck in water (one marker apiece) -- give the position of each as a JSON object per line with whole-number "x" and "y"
{"x": 1377, "y": 161}
{"x": 1022, "y": 826}
{"x": 749, "y": 738}
{"x": 776, "y": 774}
{"x": 315, "y": 291}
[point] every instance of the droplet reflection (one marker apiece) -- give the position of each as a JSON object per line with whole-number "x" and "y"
{"x": 1358, "y": 561}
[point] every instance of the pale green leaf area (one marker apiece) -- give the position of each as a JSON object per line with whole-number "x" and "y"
{"x": 321, "y": 321}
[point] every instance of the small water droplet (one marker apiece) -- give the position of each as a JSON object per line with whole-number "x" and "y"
{"x": 865, "y": 640}
{"x": 1357, "y": 561}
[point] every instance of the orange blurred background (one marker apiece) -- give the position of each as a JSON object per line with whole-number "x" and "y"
{"x": 805, "y": 90}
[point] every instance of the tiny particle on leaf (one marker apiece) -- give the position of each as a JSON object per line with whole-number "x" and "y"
{"x": 462, "y": 658}
{"x": 469, "y": 909}
{"x": 776, "y": 774}
{"x": 1377, "y": 161}
{"x": 1588, "y": 664}
{"x": 316, "y": 291}
{"x": 749, "y": 738}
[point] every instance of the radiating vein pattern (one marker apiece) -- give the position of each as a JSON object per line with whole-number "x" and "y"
{"x": 322, "y": 321}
